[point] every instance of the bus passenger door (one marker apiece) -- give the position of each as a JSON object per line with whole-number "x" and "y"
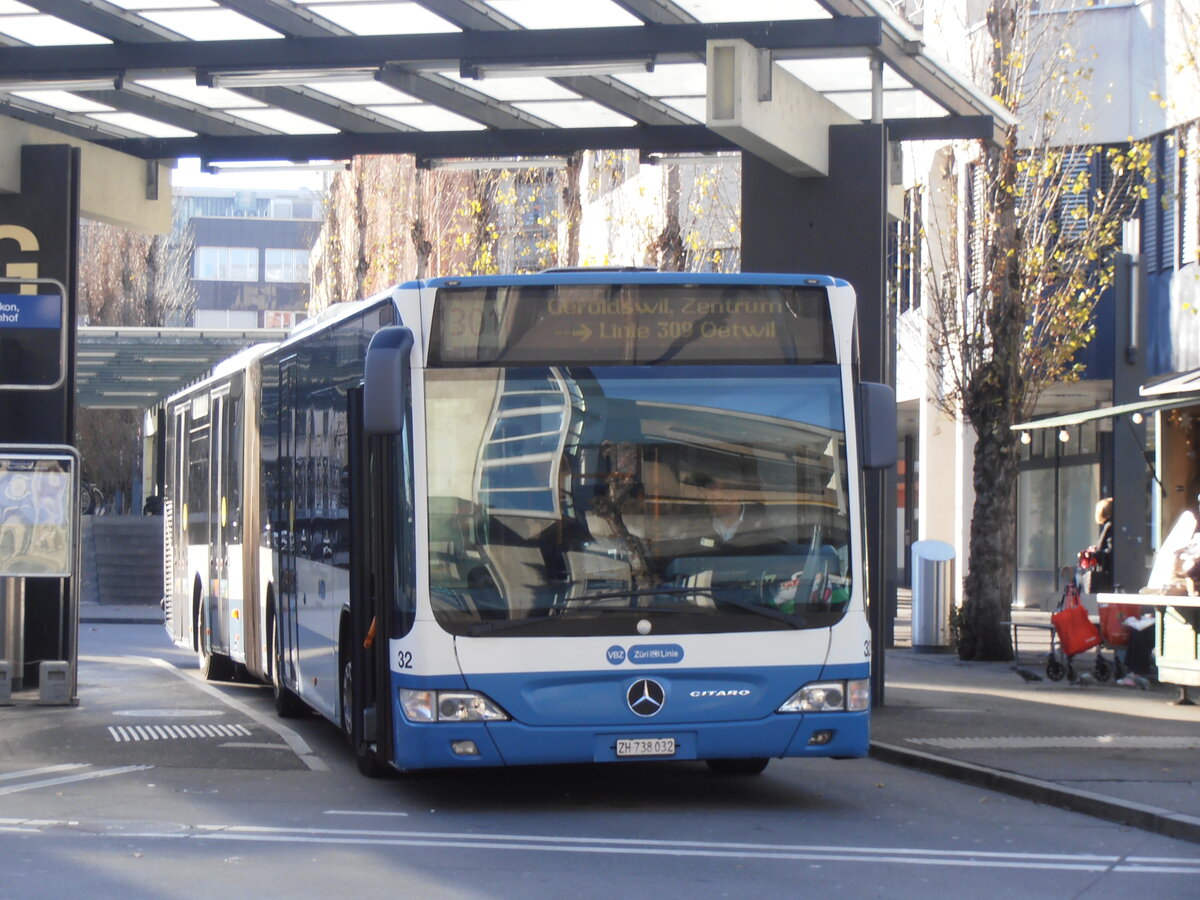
{"x": 287, "y": 608}
{"x": 372, "y": 587}
{"x": 218, "y": 563}
{"x": 175, "y": 501}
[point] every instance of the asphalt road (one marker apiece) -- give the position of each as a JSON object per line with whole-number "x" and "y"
{"x": 159, "y": 785}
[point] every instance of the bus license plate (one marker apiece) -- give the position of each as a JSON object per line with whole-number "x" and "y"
{"x": 646, "y": 747}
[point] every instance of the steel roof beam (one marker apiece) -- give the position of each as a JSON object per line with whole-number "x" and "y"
{"x": 286, "y": 18}
{"x": 522, "y": 142}
{"x": 901, "y": 48}
{"x": 456, "y": 98}
{"x": 61, "y": 122}
{"x": 476, "y": 15}
{"x": 153, "y": 105}
{"x": 793, "y": 39}
{"x": 106, "y": 19}
{"x": 323, "y": 108}
{"x": 620, "y": 97}
{"x": 664, "y": 12}
{"x": 470, "y": 15}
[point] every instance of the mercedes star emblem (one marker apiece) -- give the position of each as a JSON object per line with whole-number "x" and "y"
{"x": 645, "y": 697}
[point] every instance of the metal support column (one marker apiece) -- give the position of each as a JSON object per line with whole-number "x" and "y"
{"x": 836, "y": 226}
{"x": 1132, "y": 475}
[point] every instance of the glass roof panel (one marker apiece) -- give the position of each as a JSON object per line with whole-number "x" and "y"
{"x": 136, "y": 5}
{"x": 684, "y": 80}
{"x": 752, "y": 10}
{"x": 696, "y": 107}
{"x": 64, "y": 100}
{"x": 361, "y": 93}
{"x": 511, "y": 89}
{"x": 47, "y": 31}
{"x": 391, "y": 17}
{"x": 284, "y": 121}
{"x": 187, "y": 89}
{"x": 560, "y": 14}
{"x": 211, "y": 24}
{"x": 9, "y": 7}
{"x": 576, "y": 114}
{"x": 840, "y": 74}
{"x": 896, "y": 104}
{"x": 428, "y": 118}
{"x": 141, "y": 124}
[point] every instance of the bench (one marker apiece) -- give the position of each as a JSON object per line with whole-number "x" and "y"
{"x": 1015, "y": 629}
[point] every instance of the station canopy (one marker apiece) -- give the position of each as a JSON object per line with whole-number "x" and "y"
{"x": 323, "y": 80}
{"x": 134, "y": 368}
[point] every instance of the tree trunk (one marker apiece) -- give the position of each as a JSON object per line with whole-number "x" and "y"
{"x": 989, "y": 583}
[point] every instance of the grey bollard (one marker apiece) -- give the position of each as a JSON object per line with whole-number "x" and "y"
{"x": 932, "y": 595}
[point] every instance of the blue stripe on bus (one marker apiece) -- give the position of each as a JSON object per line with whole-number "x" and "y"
{"x": 703, "y": 727}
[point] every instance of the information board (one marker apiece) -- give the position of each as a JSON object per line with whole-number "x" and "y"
{"x": 605, "y": 324}
{"x": 37, "y": 516}
{"x": 32, "y": 341}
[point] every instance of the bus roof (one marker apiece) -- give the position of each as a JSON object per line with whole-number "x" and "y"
{"x": 609, "y": 275}
{"x": 235, "y": 363}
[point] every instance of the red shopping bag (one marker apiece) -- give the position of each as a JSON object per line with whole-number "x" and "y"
{"x": 1076, "y": 633}
{"x": 1112, "y": 622}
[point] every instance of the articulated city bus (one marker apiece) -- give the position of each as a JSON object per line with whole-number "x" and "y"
{"x": 579, "y": 516}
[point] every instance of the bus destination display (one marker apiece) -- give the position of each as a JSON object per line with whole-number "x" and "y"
{"x": 631, "y": 323}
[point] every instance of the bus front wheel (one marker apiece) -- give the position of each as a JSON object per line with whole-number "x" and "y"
{"x": 368, "y": 763}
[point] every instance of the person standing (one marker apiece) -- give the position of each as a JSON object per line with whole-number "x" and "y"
{"x": 1098, "y": 576}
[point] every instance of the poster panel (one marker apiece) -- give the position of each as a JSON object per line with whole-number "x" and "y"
{"x": 37, "y": 509}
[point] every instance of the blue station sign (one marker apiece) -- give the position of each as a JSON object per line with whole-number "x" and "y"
{"x": 31, "y": 340}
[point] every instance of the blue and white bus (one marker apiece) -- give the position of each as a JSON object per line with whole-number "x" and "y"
{"x": 578, "y": 516}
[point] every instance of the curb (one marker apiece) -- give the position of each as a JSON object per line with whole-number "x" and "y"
{"x": 1137, "y": 815}
{"x": 99, "y": 614}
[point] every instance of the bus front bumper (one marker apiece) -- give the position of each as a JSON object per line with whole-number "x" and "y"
{"x": 453, "y": 745}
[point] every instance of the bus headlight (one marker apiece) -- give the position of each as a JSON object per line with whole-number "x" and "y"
{"x": 830, "y": 696}
{"x": 449, "y": 706}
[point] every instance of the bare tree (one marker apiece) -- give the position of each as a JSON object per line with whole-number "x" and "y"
{"x": 126, "y": 278}
{"x": 1018, "y": 255}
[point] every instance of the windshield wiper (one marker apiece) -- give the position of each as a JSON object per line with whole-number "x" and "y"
{"x": 712, "y": 593}
{"x": 720, "y": 599}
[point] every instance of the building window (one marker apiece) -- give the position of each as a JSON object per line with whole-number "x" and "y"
{"x": 286, "y": 265}
{"x": 225, "y": 264}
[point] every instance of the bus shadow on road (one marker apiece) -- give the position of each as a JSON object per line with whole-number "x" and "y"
{"x": 667, "y": 786}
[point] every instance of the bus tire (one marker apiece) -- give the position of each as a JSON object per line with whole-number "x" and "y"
{"x": 287, "y": 704}
{"x": 364, "y": 757}
{"x": 213, "y": 666}
{"x": 750, "y": 766}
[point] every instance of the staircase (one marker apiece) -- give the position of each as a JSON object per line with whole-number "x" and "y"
{"x": 122, "y": 560}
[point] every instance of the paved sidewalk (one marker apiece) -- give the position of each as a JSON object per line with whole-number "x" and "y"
{"x": 105, "y": 614}
{"x": 1117, "y": 752}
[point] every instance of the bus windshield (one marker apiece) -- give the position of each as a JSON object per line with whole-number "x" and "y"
{"x": 578, "y": 500}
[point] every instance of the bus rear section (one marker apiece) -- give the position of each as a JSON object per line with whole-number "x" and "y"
{"x": 636, "y": 525}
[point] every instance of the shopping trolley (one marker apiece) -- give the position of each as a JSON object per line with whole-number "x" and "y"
{"x": 1076, "y": 634}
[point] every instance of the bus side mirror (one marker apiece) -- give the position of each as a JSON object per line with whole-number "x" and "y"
{"x": 385, "y": 380}
{"x": 877, "y": 425}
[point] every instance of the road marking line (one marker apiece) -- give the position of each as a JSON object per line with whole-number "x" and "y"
{"x": 629, "y": 846}
{"x": 1065, "y": 742}
{"x": 45, "y": 770}
{"x": 360, "y": 812}
{"x": 297, "y": 744}
{"x": 68, "y": 779}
